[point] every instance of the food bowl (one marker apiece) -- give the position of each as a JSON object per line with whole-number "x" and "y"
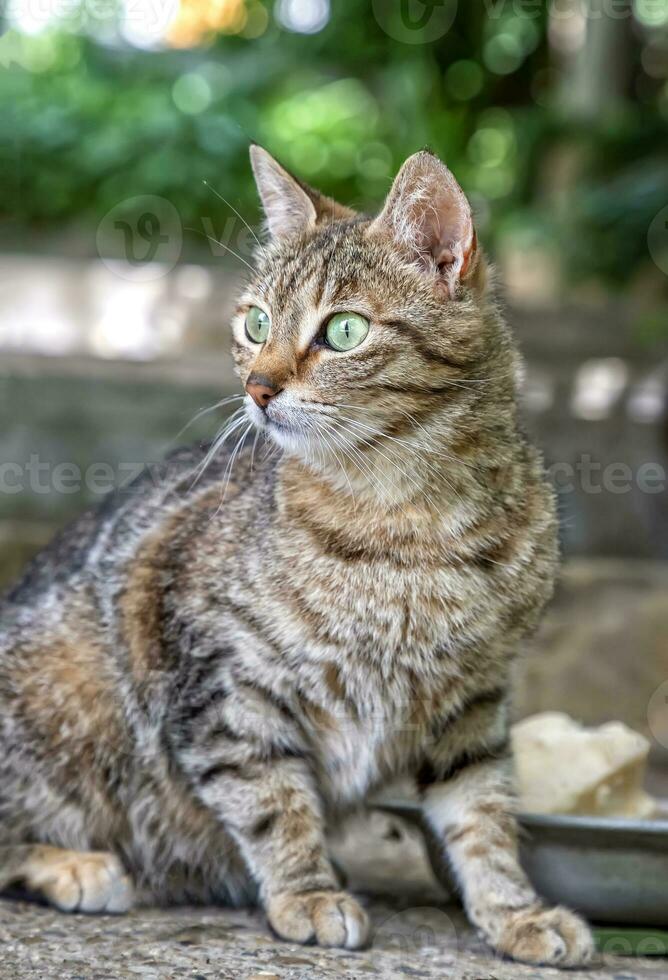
{"x": 608, "y": 869}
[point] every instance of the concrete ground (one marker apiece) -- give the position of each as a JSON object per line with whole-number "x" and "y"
{"x": 417, "y": 932}
{"x": 433, "y": 942}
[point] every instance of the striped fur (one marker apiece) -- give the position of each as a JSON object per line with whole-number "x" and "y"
{"x": 201, "y": 675}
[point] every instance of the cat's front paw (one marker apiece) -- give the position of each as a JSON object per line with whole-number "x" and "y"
{"x": 76, "y": 881}
{"x": 554, "y": 937}
{"x": 327, "y": 918}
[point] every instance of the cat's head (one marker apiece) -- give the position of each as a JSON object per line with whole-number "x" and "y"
{"x": 358, "y": 329}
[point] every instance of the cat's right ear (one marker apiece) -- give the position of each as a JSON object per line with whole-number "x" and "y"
{"x": 287, "y": 207}
{"x": 428, "y": 215}
{"x": 290, "y": 206}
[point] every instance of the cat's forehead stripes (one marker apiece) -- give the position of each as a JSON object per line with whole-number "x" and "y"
{"x": 334, "y": 270}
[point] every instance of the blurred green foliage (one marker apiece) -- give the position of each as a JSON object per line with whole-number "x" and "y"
{"x": 85, "y": 124}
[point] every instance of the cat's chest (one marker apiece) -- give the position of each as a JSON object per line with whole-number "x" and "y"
{"x": 369, "y": 717}
{"x": 382, "y": 661}
{"x": 362, "y": 743}
{"x": 380, "y": 609}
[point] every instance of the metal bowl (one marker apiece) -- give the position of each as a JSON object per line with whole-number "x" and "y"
{"x": 608, "y": 869}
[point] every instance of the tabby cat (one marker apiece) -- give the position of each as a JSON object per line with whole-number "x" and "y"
{"x": 201, "y": 676}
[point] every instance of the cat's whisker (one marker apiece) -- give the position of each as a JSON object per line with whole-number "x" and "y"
{"x": 346, "y": 450}
{"x": 213, "y": 448}
{"x": 270, "y": 449}
{"x": 233, "y": 423}
{"x": 413, "y": 448}
{"x": 392, "y": 461}
{"x": 419, "y": 488}
{"x": 201, "y": 413}
{"x": 222, "y": 245}
{"x": 232, "y": 208}
{"x": 332, "y": 447}
{"x": 323, "y": 434}
{"x": 405, "y": 442}
{"x": 425, "y": 448}
{"x": 217, "y": 446}
{"x": 255, "y": 442}
{"x": 227, "y": 476}
{"x": 321, "y": 452}
{"x": 364, "y": 465}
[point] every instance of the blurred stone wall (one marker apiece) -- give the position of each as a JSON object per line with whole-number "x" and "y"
{"x": 601, "y": 653}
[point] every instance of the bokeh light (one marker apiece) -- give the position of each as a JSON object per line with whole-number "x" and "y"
{"x": 503, "y": 53}
{"x": 324, "y": 127}
{"x": 191, "y": 82}
{"x": 303, "y": 16}
{"x": 199, "y": 20}
{"x": 510, "y": 39}
{"x": 191, "y": 93}
{"x": 651, "y": 13}
{"x": 491, "y": 149}
{"x": 464, "y": 79}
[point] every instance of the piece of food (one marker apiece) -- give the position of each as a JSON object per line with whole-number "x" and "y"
{"x": 563, "y": 767}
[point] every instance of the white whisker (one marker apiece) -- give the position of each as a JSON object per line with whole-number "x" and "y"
{"x": 230, "y": 466}
{"x": 232, "y": 208}
{"x": 323, "y": 433}
{"x": 223, "y": 245}
{"x": 202, "y": 412}
{"x": 231, "y": 426}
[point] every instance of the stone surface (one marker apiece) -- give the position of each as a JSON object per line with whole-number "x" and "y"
{"x": 411, "y": 939}
{"x": 417, "y": 932}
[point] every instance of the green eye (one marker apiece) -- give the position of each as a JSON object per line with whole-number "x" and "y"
{"x": 346, "y": 330}
{"x": 257, "y": 325}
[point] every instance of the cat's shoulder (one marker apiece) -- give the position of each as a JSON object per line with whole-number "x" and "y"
{"x": 115, "y": 525}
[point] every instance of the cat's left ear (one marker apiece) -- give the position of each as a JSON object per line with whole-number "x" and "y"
{"x": 427, "y": 213}
{"x": 290, "y": 206}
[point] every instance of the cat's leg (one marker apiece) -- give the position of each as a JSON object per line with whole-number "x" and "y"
{"x": 468, "y": 800}
{"x": 73, "y": 881}
{"x": 246, "y": 756}
{"x": 272, "y": 809}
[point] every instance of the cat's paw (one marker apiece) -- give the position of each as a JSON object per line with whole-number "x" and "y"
{"x": 81, "y": 882}
{"x": 554, "y": 937}
{"x": 327, "y": 918}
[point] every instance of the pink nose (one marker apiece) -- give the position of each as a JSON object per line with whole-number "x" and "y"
{"x": 260, "y": 390}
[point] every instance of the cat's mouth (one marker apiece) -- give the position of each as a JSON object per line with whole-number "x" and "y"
{"x": 291, "y": 423}
{"x": 278, "y": 422}
{"x": 285, "y": 417}
{"x": 281, "y": 420}
{"x": 280, "y": 426}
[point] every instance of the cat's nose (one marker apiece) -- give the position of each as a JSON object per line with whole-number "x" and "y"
{"x": 261, "y": 390}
